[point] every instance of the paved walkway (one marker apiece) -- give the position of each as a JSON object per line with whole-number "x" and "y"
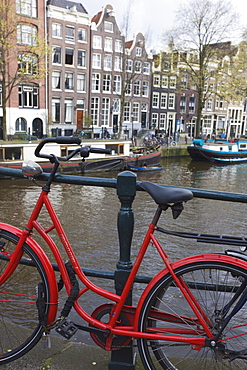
{"x": 63, "y": 355}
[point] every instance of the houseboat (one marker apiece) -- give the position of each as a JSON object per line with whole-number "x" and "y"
{"x": 221, "y": 151}
{"x": 13, "y": 155}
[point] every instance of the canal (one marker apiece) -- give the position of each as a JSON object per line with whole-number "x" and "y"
{"x": 89, "y": 216}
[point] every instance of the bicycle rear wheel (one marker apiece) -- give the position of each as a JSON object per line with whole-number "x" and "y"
{"x": 165, "y": 309}
{"x": 20, "y": 325}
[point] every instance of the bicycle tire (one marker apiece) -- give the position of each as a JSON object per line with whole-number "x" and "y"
{"x": 20, "y": 325}
{"x": 166, "y": 297}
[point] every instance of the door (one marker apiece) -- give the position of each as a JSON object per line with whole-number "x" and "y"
{"x": 79, "y": 120}
{"x": 37, "y": 129}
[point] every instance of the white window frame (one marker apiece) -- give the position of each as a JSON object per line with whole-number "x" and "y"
{"x": 68, "y": 110}
{"x": 96, "y": 60}
{"x": 97, "y": 42}
{"x": 81, "y": 82}
{"x": 96, "y": 82}
{"x": 155, "y": 99}
{"x": 163, "y": 100}
{"x": 56, "y": 30}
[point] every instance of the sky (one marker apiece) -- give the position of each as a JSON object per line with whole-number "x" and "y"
{"x": 152, "y": 17}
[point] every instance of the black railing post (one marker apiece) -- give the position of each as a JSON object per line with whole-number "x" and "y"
{"x": 124, "y": 358}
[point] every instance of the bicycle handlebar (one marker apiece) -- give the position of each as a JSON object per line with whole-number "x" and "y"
{"x": 84, "y": 151}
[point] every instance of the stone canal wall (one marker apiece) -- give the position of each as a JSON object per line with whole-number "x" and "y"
{"x": 178, "y": 151}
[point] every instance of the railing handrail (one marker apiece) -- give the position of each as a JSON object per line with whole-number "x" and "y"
{"x": 112, "y": 183}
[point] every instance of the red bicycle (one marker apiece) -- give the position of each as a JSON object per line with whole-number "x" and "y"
{"x": 192, "y": 315}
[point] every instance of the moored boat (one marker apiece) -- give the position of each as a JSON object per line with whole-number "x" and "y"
{"x": 221, "y": 151}
{"x": 145, "y": 169}
{"x": 13, "y": 155}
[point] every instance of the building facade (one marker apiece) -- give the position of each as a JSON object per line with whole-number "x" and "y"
{"x": 26, "y": 111}
{"x": 68, "y": 25}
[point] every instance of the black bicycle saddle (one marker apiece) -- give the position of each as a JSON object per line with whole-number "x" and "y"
{"x": 163, "y": 196}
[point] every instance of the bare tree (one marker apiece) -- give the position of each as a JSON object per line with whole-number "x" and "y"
{"x": 18, "y": 64}
{"x": 202, "y": 23}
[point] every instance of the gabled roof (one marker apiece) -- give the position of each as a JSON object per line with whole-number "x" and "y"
{"x": 96, "y": 18}
{"x": 67, "y": 5}
{"x": 128, "y": 44}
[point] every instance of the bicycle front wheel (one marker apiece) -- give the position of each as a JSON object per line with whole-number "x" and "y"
{"x": 20, "y": 319}
{"x": 165, "y": 310}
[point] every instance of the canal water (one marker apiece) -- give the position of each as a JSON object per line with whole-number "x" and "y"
{"x": 89, "y": 217}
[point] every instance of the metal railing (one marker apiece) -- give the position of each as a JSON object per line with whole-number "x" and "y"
{"x": 126, "y": 186}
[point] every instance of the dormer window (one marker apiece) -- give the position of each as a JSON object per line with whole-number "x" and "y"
{"x": 108, "y": 26}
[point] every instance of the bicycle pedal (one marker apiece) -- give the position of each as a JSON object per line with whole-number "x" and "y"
{"x": 66, "y": 328}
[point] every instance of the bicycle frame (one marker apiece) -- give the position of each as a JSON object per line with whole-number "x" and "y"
{"x": 119, "y": 300}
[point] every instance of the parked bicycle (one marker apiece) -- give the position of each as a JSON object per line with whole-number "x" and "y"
{"x": 192, "y": 315}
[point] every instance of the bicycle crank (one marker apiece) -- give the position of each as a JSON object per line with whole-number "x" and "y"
{"x": 103, "y": 313}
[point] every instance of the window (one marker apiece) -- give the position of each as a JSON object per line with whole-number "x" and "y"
{"x": 155, "y": 100}
{"x": 182, "y": 104}
{"x": 163, "y": 100}
{"x": 128, "y": 88}
{"x": 27, "y": 64}
{"x": 145, "y": 88}
{"x": 129, "y": 65}
{"x": 108, "y": 44}
{"x": 157, "y": 80}
{"x": 68, "y": 110}
{"x": 82, "y": 34}
{"x": 118, "y": 63}
{"x": 28, "y": 96}
{"x": 97, "y": 42}
{"x": 164, "y": 82}
{"x": 146, "y": 68}
{"x": 95, "y": 110}
{"x": 69, "y": 80}
{"x": 95, "y": 82}
{"x": 56, "y": 110}
{"x": 118, "y": 46}
{"x": 27, "y": 7}
{"x": 69, "y": 33}
{"x": 69, "y": 56}
{"x": 184, "y": 80}
{"x": 105, "y": 111}
{"x": 21, "y": 124}
{"x": 107, "y": 61}
{"x": 56, "y": 30}
{"x": 192, "y": 104}
{"x": 81, "y": 82}
{"x": 137, "y": 88}
{"x": 172, "y": 82}
{"x": 209, "y": 104}
{"x": 96, "y": 60}
{"x": 155, "y": 119}
{"x": 127, "y": 112}
{"x": 108, "y": 26}
{"x": 56, "y": 79}
{"x": 135, "y": 110}
{"x": 26, "y": 35}
{"x": 56, "y": 55}
{"x": 138, "y": 52}
{"x": 138, "y": 66}
{"x": 171, "y": 101}
{"x": 117, "y": 84}
{"x": 107, "y": 83}
{"x": 81, "y": 60}
{"x": 162, "y": 120}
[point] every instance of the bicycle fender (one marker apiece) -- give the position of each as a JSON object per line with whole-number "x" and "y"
{"x": 47, "y": 266}
{"x": 222, "y": 258}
